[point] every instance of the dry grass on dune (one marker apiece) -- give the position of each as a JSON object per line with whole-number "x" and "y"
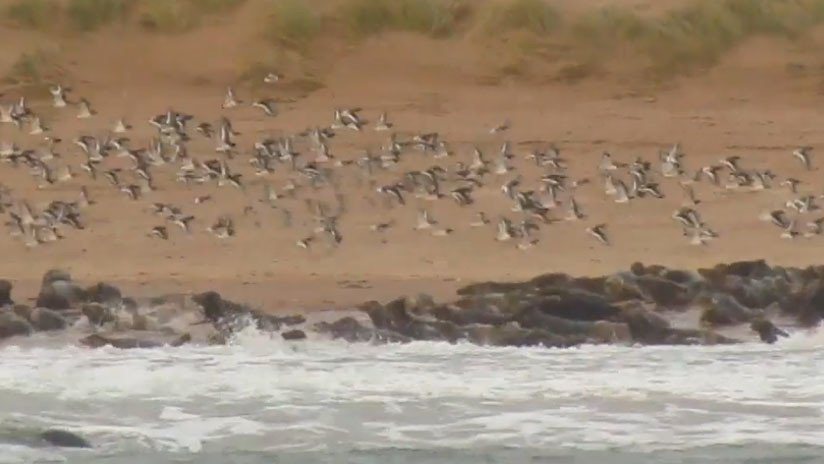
{"x": 690, "y": 36}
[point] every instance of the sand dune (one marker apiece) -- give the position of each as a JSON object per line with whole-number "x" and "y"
{"x": 749, "y": 105}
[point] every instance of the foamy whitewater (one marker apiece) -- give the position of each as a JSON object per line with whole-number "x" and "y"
{"x": 262, "y": 400}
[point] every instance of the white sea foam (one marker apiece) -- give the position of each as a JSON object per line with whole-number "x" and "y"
{"x": 264, "y": 393}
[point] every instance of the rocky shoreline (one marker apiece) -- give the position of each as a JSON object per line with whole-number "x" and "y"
{"x": 633, "y": 307}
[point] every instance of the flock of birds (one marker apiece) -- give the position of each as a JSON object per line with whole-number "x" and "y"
{"x": 309, "y": 165}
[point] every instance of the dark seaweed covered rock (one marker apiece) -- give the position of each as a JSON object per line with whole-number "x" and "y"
{"x": 144, "y": 340}
{"x": 42, "y": 319}
{"x": 645, "y": 326}
{"x": 476, "y": 314}
{"x": 555, "y": 279}
{"x": 5, "y": 293}
{"x": 576, "y": 305}
{"x": 64, "y": 439}
{"x": 294, "y": 334}
{"x": 485, "y": 288}
{"x": 512, "y": 334}
{"x": 11, "y": 324}
{"x": 97, "y": 314}
{"x": 349, "y": 329}
{"x": 663, "y": 292}
{"x": 766, "y": 330}
{"x": 105, "y": 294}
{"x": 696, "y": 337}
{"x": 346, "y": 328}
{"x": 228, "y": 316}
{"x": 810, "y": 303}
{"x": 58, "y": 292}
{"x": 722, "y": 310}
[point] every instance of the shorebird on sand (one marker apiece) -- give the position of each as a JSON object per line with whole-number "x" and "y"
{"x": 803, "y": 154}
{"x": 599, "y": 232}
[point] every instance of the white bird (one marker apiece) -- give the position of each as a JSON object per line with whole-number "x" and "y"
{"x": 85, "y": 110}
{"x": 58, "y": 96}
{"x": 229, "y": 101}
{"x": 504, "y": 126}
{"x": 599, "y": 232}
{"x": 803, "y": 154}
{"x": 383, "y": 124}
{"x": 424, "y": 220}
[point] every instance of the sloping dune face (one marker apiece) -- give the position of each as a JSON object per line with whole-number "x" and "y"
{"x": 628, "y": 77}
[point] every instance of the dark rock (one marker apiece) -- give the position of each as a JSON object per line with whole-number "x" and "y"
{"x": 593, "y": 285}
{"x": 97, "y": 341}
{"x": 54, "y": 275}
{"x": 5, "y": 293}
{"x": 755, "y": 269}
{"x": 64, "y": 439}
{"x": 554, "y": 279}
{"x": 419, "y": 304}
{"x": 766, "y": 330}
{"x": 723, "y": 310}
{"x": 513, "y": 335}
{"x": 293, "y": 335}
{"x": 97, "y": 314}
{"x": 484, "y": 288}
{"x": 392, "y": 316}
{"x": 811, "y": 304}
{"x": 680, "y": 277}
{"x": 212, "y": 304}
{"x": 42, "y": 319}
{"x": 347, "y": 328}
{"x": 58, "y": 294}
{"x": 535, "y": 318}
{"x": 228, "y": 316}
{"x": 481, "y": 314}
{"x": 696, "y": 337}
{"x": 296, "y": 319}
{"x": 105, "y": 294}
{"x": 637, "y": 268}
{"x": 622, "y": 286}
{"x": 663, "y": 292}
{"x": 645, "y": 326}
{"x": 11, "y": 325}
{"x": 610, "y": 332}
{"x": 576, "y": 305}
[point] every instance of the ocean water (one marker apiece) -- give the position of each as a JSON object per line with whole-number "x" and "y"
{"x": 262, "y": 400}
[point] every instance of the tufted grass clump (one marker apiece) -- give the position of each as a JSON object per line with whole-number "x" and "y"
{"x": 434, "y": 18}
{"x": 176, "y": 16}
{"x": 90, "y": 15}
{"x": 211, "y": 7}
{"x": 699, "y": 34}
{"x": 34, "y": 14}
{"x": 535, "y": 16}
{"x": 694, "y": 36}
{"x": 33, "y": 67}
{"x": 292, "y": 23}
{"x": 167, "y": 16}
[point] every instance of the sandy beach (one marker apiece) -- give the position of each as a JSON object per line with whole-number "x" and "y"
{"x": 750, "y": 105}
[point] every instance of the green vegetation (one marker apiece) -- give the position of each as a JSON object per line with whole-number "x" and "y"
{"x": 167, "y": 16}
{"x": 436, "y": 18}
{"x": 697, "y": 35}
{"x": 529, "y": 34}
{"x": 90, "y": 15}
{"x": 34, "y": 14}
{"x": 292, "y": 23}
{"x": 175, "y": 16}
{"x": 33, "y": 68}
{"x": 211, "y": 7}
{"x": 534, "y": 16}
